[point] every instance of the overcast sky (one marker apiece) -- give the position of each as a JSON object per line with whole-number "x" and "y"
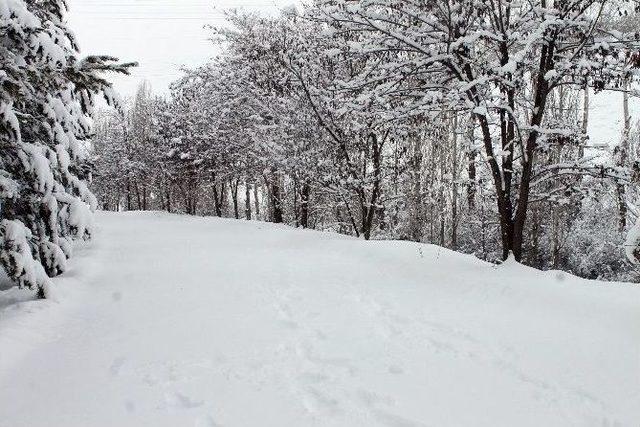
{"x": 164, "y": 35}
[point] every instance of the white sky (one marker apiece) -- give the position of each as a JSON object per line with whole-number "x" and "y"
{"x": 606, "y": 117}
{"x": 164, "y": 35}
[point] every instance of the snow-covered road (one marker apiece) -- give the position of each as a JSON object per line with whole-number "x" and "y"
{"x": 169, "y": 320}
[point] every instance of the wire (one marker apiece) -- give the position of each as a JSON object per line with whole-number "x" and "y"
{"x": 189, "y": 16}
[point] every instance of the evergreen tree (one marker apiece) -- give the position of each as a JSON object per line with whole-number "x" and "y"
{"x": 46, "y": 101}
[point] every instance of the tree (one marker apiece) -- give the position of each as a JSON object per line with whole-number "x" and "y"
{"x": 46, "y": 98}
{"x": 459, "y": 123}
{"x": 498, "y": 61}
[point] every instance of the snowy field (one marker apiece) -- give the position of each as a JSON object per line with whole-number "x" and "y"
{"x": 179, "y": 321}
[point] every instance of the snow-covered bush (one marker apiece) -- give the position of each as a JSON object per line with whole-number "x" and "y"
{"x": 46, "y": 100}
{"x": 594, "y": 246}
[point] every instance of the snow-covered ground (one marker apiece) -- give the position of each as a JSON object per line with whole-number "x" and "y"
{"x": 171, "y": 320}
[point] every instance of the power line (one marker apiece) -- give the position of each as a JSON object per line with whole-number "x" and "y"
{"x": 156, "y": 18}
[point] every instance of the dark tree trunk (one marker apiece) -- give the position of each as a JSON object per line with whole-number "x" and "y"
{"x": 193, "y": 191}
{"x": 234, "y": 197}
{"x": 163, "y": 203}
{"x": 304, "y": 205}
{"x": 471, "y": 186}
{"x": 144, "y": 198}
{"x": 247, "y": 200}
{"x": 274, "y": 194}
{"x": 224, "y": 198}
{"x": 296, "y": 210}
{"x": 217, "y": 203}
{"x": 276, "y": 200}
{"x": 512, "y": 224}
{"x": 369, "y": 209}
{"x": 256, "y": 202}
{"x": 168, "y": 197}
{"x": 129, "y": 201}
{"x": 138, "y": 195}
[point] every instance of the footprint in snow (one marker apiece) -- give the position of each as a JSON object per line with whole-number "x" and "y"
{"x": 396, "y": 370}
{"x": 372, "y": 399}
{"x": 130, "y": 406}
{"x": 317, "y": 401}
{"x": 207, "y": 421}
{"x": 284, "y": 312}
{"x": 290, "y": 324}
{"x": 116, "y": 366}
{"x": 393, "y": 420}
{"x": 310, "y": 378}
{"x": 179, "y": 400}
{"x": 320, "y": 335}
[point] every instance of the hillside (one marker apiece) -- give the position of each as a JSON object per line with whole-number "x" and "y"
{"x": 168, "y": 320}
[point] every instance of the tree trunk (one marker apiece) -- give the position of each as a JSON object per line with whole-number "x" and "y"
{"x": 144, "y": 198}
{"x": 217, "y": 202}
{"x": 224, "y": 198}
{"x": 454, "y": 186}
{"x": 247, "y": 200}
{"x": 540, "y": 102}
{"x": 415, "y": 216}
{"x": 275, "y": 198}
{"x": 194, "y": 200}
{"x": 471, "y": 168}
{"x": 138, "y": 195}
{"x": 623, "y": 154}
{"x": 585, "y": 120}
{"x": 304, "y": 205}
{"x": 296, "y": 210}
{"x": 234, "y": 197}
{"x": 368, "y": 210}
{"x": 129, "y": 201}
{"x": 168, "y": 196}
{"x": 256, "y": 201}
{"x": 556, "y": 238}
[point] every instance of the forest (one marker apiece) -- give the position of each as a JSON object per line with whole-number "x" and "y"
{"x": 462, "y": 124}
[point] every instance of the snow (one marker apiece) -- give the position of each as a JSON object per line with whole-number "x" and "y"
{"x": 35, "y": 162}
{"x": 632, "y": 243}
{"x": 14, "y": 239}
{"x": 167, "y": 320}
{"x": 9, "y": 119}
{"x": 8, "y": 187}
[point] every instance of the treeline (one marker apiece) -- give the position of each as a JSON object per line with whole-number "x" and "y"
{"x": 458, "y": 123}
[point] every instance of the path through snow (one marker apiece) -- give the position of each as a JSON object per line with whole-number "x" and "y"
{"x": 178, "y": 321}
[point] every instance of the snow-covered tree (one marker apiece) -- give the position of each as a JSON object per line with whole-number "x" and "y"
{"x": 459, "y": 123}
{"x": 46, "y": 100}
{"x": 499, "y": 61}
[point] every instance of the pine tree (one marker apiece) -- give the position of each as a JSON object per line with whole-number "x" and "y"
{"x": 47, "y": 97}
